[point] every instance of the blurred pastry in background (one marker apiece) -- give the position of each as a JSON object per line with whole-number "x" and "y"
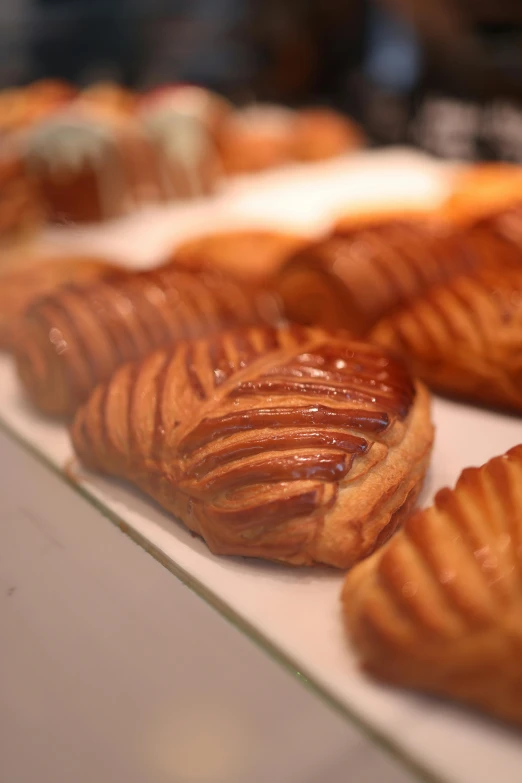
{"x": 257, "y": 137}
{"x": 321, "y": 133}
{"x": 21, "y": 209}
{"x": 21, "y": 107}
{"x": 111, "y": 95}
{"x": 91, "y": 162}
{"x": 484, "y": 190}
{"x": 76, "y": 337}
{"x": 39, "y": 276}
{"x": 182, "y": 123}
{"x": 249, "y": 255}
{"x": 439, "y": 607}
{"x": 354, "y": 277}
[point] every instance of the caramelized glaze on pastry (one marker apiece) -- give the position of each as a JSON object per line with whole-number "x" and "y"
{"x": 464, "y": 338}
{"x": 352, "y": 279}
{"x": 252, "y": 256}
{"x": 21, "y": 287}
{"x": 483, "y": 191}
{"x": 73, "y": 339}
{"x": 440, "y": 607}
{"x": 290, "y": 444}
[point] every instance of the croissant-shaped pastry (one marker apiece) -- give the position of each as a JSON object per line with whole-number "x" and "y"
{"x": 290, "y": 444}
{"x": 440, "y": 607}
{"x": 252, "y": 256}
{"x": 73, "y": 339}
{"x": 19, "y": 288}
{"x": 352, "y": 279}
{"x": 464, "y": 338}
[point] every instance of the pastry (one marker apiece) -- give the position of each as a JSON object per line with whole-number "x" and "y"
{"x": 257, "y": 137}
{"x": 291, "y": 444}
{"x": 21, "y": 107}
{"x": 483, "y": 191}
{"x": 439, "y": 608}
{"x": 464, "y": 338}
{"x": 76, "y": 337}
{"x": 21, "y": 287}
{"x": 320, "y": 134}
{"x": 351, "y": 279}
{"x": 253, "y": 256}
{"x": 91, "y": 162}
{"x": 110, "y": 95}
{"x": 21, "y": 210}
{"x": 182, "y": 123}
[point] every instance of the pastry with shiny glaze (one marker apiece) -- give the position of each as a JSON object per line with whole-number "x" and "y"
{"x": 291, "y": 444}
{"x": 439, "y": 608}
{"x": 21, "y": 287}
{"x": 354, "y": 277}
{"x": 76, "y": 337}
{"x": 464, "y": 337}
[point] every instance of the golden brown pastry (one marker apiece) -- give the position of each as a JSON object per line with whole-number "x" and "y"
{"x": 21, "y": 287}
{"x": 439, "y": 608}
{"x": 464, "y": 337}
{"x": 354, "y": 277}
{"x": 252, "y": 256}
{"x": 73, "y": 339}
{"x": 484, "y": 190}
{"x": 321, "y": 133}
{"x": 182, "y": 123}
{"x": 21, "y": 210}
{"x": 23, "y": 106}
{"x": 256, "y": 138}
{"x": 91, "y": 162}
{"x": 290, "y": 444}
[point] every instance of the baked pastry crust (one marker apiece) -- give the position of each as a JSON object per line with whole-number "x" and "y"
{"x": 292, "y": 444}
{"x": 354, "y": 277}
{"x": 252, "y": 256}
{"x": 464, "y": 338}
{"x": 483, "y": 191}
{"x": 19, "y": 288}
{"x": 439, "y": 608}
{"x": 320, "y": 134}
{"x": 76, "y": 337}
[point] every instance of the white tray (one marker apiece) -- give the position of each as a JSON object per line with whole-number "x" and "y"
{"x": 295, "y": 613}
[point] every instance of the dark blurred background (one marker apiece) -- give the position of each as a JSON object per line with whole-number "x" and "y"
{"x": 443, "y": 74}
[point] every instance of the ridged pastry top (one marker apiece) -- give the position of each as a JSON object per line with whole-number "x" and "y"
{"x": 71, "y": 340}
{"x": 352, "y": 279}
{"x": 440, "y": 607}
{"x": 37, "y": 277}
{"x": 248, "y": 435}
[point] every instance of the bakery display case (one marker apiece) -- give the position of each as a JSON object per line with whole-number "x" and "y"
{"x": 260, "y": 369}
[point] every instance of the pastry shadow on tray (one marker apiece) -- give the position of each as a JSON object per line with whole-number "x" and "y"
{"x": 131, "y": 499}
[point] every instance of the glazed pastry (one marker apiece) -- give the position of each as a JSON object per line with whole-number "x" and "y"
{"x": 91, "y": 163}
{"x": 464, "y": 338}
{"x": 182, "y": 123}
{"x": 21, "y": 287}
{"x": 252, "y": 256}
{"x": 21, "y": 210}
{"x": 352, "y": 279}
{"x": 292, "y": 444}
{"x": 320, "y": 134}
{"x": 73, "y": 339}
{"x": 439, "y": 608}
{"x": 257, "y": 137}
